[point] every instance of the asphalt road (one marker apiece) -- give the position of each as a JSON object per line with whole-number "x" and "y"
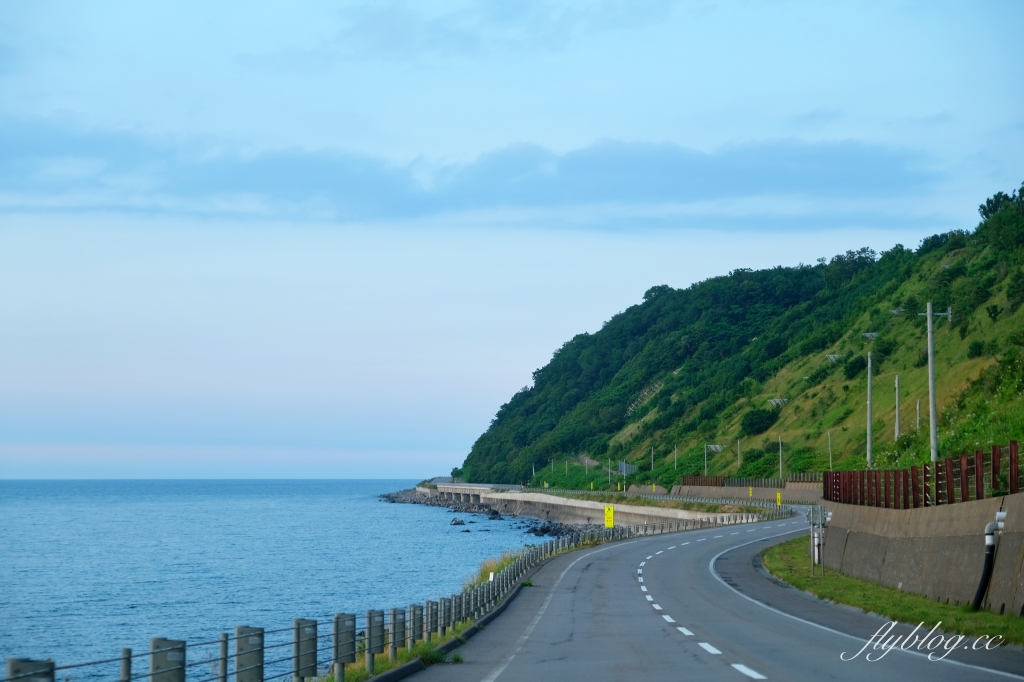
{"x": 692, "y": 606}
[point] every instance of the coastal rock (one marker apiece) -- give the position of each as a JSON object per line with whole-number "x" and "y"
{"x": 458, "y": 522}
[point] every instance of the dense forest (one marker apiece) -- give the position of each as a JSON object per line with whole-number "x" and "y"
{"x": 756, "y": 358}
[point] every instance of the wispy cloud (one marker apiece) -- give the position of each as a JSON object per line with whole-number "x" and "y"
{"x": 47, "y": 166}
{"x": 396, "y": 29}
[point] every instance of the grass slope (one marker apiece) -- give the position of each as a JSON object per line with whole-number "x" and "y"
{"x": 695, "y": 366}
{"x": 790, "y": 562}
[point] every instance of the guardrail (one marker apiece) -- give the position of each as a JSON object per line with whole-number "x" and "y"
{"x": 325, "y": 645}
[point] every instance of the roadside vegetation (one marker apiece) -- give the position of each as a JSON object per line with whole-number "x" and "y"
{"x": 695, "y": 366}
{"x": 790, "y": 563}
{"x": 488, "y": 566}
{"x": 426, "y": 651}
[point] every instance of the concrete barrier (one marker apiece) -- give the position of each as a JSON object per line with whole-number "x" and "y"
{"x": 935, "y": 551}
{"x": 564, "y": 510}
{"x": 806, "y": 492}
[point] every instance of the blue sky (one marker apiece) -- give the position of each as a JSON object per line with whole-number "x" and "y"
{"x": 330, "y": 239}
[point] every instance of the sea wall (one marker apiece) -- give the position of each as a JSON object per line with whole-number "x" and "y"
{"x": 793, "y": 492}
{"x": 935, "y": 551}
{"x": 563, "y": 510}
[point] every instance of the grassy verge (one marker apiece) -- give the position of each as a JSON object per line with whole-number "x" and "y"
{"x": 709, "y": 508}
{"x": 427, "y": 651}
{"x": 487, "y": 566}
{"x": 790, "y": 562}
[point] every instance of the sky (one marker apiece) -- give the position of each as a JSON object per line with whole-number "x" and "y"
{"x": 329, "y": 240}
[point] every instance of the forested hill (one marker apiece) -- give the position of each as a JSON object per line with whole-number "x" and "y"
{"x": 692, "y": 366}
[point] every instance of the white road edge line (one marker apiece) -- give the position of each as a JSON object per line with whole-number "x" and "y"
{"x": 748, "y": 672}
{"x": 493, "y": 675}
{"x": 711, "y": 568}
{"x": 708, "y": 648}
{"x": 685, "y": 632}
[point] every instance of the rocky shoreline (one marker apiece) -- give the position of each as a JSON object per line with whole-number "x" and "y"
{"x": 531, "y": 526}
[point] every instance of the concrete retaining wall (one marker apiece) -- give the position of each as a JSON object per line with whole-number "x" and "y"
{"x": 789, "y": 494}
{"x": 563, "y": 510}
{"x": 935, "y": 551}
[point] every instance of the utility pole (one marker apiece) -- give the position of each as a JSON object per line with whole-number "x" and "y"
{"x": 933, "y": 417}
{"x": 780, "y": 456}
{"x": 897, "y": 407}
{"x": 869, "y": 409}
{"x": 830, "y": 449}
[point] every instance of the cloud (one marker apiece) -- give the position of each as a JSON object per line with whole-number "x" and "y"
{"x": 49, "y": 166}
{"x": 391, "y": 30}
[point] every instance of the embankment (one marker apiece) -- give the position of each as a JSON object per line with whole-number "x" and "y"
{"x": 935, "y": 551}
{"x": 793, "y": 492}
{"x": 565, "y": 510}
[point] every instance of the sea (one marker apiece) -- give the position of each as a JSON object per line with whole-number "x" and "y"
{"x": 90, "y": 567}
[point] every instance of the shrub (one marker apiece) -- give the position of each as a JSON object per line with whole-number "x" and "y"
{"x": 855, "y": 367}
{"x": 758, "y": 421}
{"x": 976, "y": 349}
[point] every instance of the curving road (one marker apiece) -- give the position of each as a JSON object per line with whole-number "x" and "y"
{"x": 691, "y": 606}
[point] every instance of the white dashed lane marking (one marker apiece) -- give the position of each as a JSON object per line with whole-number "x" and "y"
{"x": 656, "y": 607}
{"x": 640, "y": 579}
{"x": 643, "y": 589}
{"x": 668, "y": 619}
{"x": 748, "y": 672}
{"x": 685, "y": 632}
{"x": 644, "y": 562}
{"x": 718, "y": 536}
{"x": 659, "y": 552}
{"x": 649, "y": 597}
{"x": 650, "y": 557}
{"x": 708, "y": 648}
{"x": 672, "y": 547}
{"x": 737, "y": 533}
{"x": 685, "y": 543}
{"x": 702, "y": 540}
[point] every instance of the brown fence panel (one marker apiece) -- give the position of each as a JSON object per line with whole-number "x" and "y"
{"x": 979, "y": 475}
{"x": 905, "y": 475}
{"x": 888, "y": 500}
{"x": 927, "y": 498}
{"x": 965, "y": 481}
{"x": 950, "y": 488}
{"x": 915, "y": 484}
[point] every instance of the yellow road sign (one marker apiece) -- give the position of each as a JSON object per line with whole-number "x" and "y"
{"x": 778, "y": 499}
{"x": 751, "y": 492}
{"x": 609, "y": 516}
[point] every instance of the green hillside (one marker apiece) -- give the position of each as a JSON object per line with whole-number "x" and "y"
{"x": 698, "y": 365}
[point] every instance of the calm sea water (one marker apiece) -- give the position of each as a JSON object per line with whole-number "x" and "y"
{"x": 88, "y": 567}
